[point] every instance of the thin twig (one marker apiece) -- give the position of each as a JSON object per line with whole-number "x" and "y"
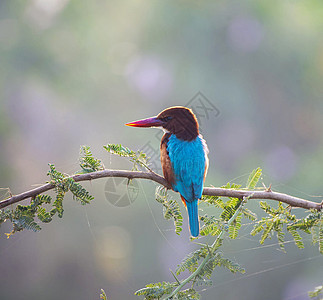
{"x": 211, "y": 191}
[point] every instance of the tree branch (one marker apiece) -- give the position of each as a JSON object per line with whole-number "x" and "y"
{"x": 211, "y": 191}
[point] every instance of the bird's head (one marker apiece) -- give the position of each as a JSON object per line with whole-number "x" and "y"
{"x": 177, "y": 120}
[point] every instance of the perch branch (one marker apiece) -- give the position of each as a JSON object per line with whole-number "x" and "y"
{"x": 211, "y": 191}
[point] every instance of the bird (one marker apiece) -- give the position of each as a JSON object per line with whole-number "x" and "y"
{"x": 183, "y": 155}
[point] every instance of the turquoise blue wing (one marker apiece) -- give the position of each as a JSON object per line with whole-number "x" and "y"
{"x": 189, "y": 164}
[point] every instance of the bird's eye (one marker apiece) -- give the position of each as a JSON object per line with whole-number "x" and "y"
{"x": 166, "y": 119}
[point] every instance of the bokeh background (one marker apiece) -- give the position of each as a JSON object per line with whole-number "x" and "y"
{"x": 73, "y": 72}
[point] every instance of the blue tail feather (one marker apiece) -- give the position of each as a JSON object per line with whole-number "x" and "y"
{"x": 193, "y": 217}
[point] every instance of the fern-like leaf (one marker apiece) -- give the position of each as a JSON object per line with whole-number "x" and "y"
{"x": 320, "y": 239}
{"x": 87, "y": 162}
{"x": 189, "y": 294}
{"x": 230, "y": 208}
{"x": 58, "y": 203}
{"x": 171, "y": 208}
{"x": 281, "y": 239}
{"x": 190, "y": 262}
{"x": 297, "y": 238}
{"x": 79, "y": 193}
{"x": 232, "y": 186}
{"x": 213, "y": 200}
{"x": 155, "y": 290}
{"x": 212, "y": 226}
{"x": 43, "y": 215}
{"x": 247, "y": 213}
{"x": 234, "y": 227}
{"x": 258, "y": 227}
{"x": 103, "y": 295}
{"x": 267, "y": 231}
{"x": 228, "y": 264}
{"x": 139, "y": 158}
{"x": 317, "y": 294}
{"x": 220, "y": 261}
{"x": 253, "y": 178}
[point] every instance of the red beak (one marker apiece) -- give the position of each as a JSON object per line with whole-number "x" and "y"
{"x": 150, "y": 122}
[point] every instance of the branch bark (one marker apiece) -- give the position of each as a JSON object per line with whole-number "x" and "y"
{"x": 211, "y": 191}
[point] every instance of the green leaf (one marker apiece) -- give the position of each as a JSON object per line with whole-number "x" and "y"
{"x": 267, "y": 231}
{"x": 253, "y": 178}
{"x": 281, "y": 239}
{"x": 258, "y": 227}
{"x": 320, "y": 240}
{"x": 249, "y": 214}
{"x": 297, "y": 238}
{"x": 232, "y": 186}
{"x": 58, "y": 203}
{"x": 266, "y": 207}
{"x": 55, "y": 176}
{"x": 218, "y": 260}
{"x": 213, "y": 200}
{"x": 234, "y": 227}
{"x": 25, "y": 222}
{"x": 137, "y": 158}
{"x": 189, "y": 294}
{"x": 103, "y": 295}
{"x": 316, "y": 293}
{"x": 228, "y": 264}
{"x": 40, "y": 199}
{"x": 23, "y": 218}
{"x": 190, "y": 262}
{"x": 230, "y": 208}
{"x": 79, "y": 193}
{"x": 171, "y": 208}
{"x": 212, "y": 226}
{"x": 307, "y": 223}
{"x": 119, "y": 150}
{"x": 5, "y": 214}
{"x": 155, "y": 290}
{"x": 87, "y": 162}
{"x": 43, "y": 215}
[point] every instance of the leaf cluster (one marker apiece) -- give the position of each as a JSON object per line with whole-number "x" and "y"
{"x": 103, "y": 295}
{"x": 213, "y": 226}
{"x": 311, "y": 224}
{"x": 170, "y": 207}
{"x": 217, "y": 260}
{"x": 190, "y": 263}
{"x": 23, "y": 216}
{"x": 188, "y": 294}
{"x": 280, "y": 218}
{"x": 88, "y": 163}
{"x": 317, "y": 294}
{"x": 27, "y": 216}
{"x": 63, "y": 183}
{"x": 202, "y": 262}
{"x": 154, "y": 291}
{"x": 138, "y": 158}
{"x": 254, "y": 178}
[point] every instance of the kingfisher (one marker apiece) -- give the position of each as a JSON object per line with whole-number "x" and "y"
{"x": 183, "y": 155}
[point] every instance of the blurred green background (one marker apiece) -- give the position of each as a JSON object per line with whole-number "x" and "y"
{"x": 73, "y": 72}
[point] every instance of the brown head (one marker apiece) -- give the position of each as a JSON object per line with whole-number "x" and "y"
{"x": 177, "y": 120}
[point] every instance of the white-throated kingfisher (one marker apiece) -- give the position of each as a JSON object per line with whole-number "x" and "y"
{"x": 183, "y": 155}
